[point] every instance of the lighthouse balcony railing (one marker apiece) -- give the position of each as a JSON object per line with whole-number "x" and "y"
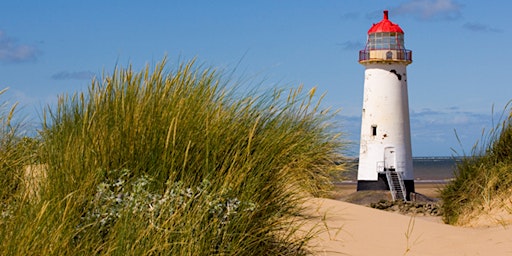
{"x": 385, "y": 55}
{"x": 380, "y": 167}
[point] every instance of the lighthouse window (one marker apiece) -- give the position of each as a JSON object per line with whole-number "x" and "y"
{"x": 374, "y": 130}
{"x": 385, "y": 41}
{"x": 389, "y": 55}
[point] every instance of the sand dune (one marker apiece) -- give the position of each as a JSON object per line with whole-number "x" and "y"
{"x": 349, "y": 229}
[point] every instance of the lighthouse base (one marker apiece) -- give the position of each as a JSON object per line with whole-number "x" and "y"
{"x": 382, "y": 184}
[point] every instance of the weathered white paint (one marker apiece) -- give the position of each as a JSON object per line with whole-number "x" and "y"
{"x": 385, "y": 121}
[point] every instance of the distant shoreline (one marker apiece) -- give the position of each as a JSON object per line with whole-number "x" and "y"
{"x": 354, "y": 182}
{"x": 430, "y": 189}
{"x": 427, "y": 170}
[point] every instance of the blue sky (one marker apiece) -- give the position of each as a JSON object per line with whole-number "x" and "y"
{"x": 461, "y": 52}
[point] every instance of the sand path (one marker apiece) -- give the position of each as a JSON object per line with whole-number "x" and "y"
{"x": 349, "y": 229}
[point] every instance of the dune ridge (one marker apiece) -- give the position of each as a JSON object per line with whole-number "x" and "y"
{"x": 350, "y": 229}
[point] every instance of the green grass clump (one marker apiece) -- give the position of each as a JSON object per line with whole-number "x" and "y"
{"x": 177, "y": 163}
{"x": 16, "y": 152}
{"x": 482, "y": 180}
{"x": 11, "y": 159}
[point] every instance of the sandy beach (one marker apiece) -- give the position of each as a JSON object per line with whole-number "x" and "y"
{"x": 350, "y": 229}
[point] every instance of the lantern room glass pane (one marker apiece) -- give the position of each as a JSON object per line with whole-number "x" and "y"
{"x": 385, "y": 41}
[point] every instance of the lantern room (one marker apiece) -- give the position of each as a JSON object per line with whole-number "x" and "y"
{"x": 385, "y": 43}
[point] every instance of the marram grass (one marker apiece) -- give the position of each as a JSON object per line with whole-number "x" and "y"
{"x": 177, "y": 163}
{"x": 483, "y": 180}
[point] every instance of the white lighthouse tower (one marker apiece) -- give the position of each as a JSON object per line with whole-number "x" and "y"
{"x": 385, "y": 157}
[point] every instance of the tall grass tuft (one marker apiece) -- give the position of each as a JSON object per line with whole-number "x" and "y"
{"x": 16, "y": 152}
{"x": 483, "y": 179}
{"x": 175, "y": 162}
{"x": 10, "y": 157}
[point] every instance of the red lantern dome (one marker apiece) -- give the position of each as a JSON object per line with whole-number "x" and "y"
{"x": 385, "y": 25}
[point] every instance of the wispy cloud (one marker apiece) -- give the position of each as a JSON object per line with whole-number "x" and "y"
{"x": 430, "y": 9}
{"x": 450, "y": 117}
{"x": 12, "y": 51}
{"x": 479, "y": 27}
{"x": 450, "y": 128}
{"x": 352, "y": 45}
{"x": 349, "y": 16}
{"x": 77, "y": 75}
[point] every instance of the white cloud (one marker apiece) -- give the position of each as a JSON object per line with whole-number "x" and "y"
{"x": 77, "y": 75}
{"x": 352, "y": 45}
{"x": 430, "y": 9}
{"x": 349, "y": 16}
{"x": 448, "y": 117}
{"x": 479, "y": 27}
{"x": 12, "y": 51}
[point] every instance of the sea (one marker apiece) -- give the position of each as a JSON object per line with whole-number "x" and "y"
{"x": 426, "y": 170}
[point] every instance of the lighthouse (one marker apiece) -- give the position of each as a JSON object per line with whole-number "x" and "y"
{"x": 385, "y": 155}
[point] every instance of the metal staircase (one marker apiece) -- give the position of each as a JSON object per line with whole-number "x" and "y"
{"x": 396, "y": 184}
